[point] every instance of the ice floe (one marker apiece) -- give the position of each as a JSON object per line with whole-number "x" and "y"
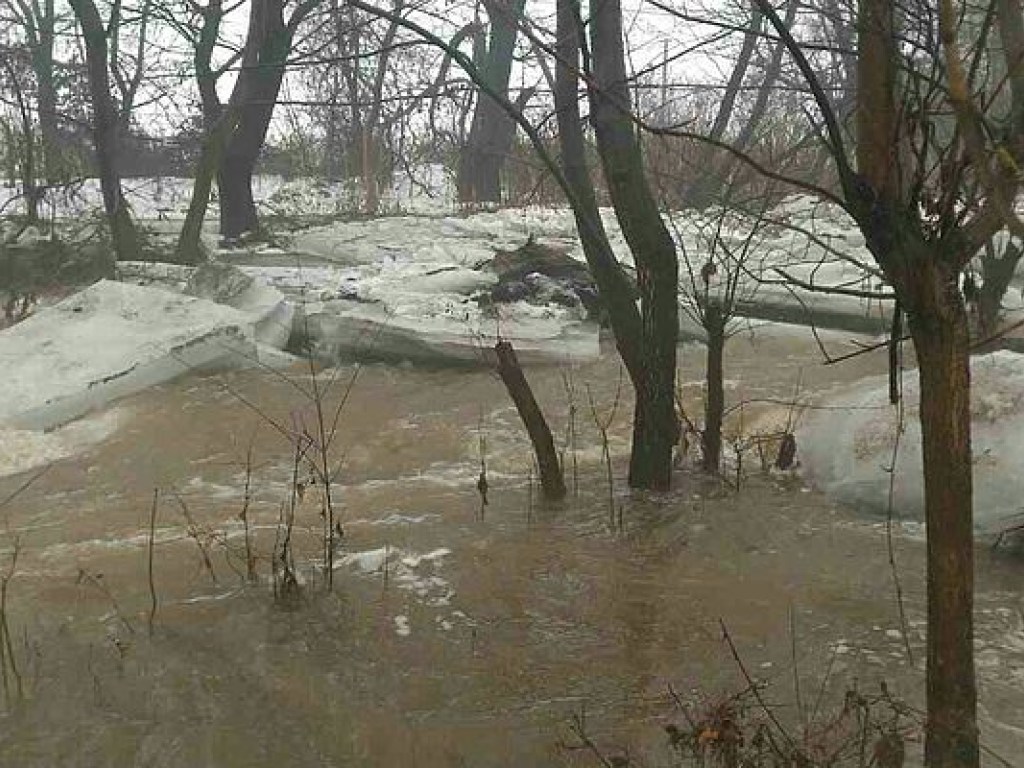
{"x": 846, "y": 446}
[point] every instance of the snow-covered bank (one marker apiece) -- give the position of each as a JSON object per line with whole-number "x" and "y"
{"x": 847, "y": 443}
{"x": 108, "y": 341}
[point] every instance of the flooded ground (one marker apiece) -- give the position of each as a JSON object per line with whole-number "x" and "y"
{"x": 450, "y": 638}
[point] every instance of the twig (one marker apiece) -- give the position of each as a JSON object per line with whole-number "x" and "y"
{"x": 579, "y": 727}
{"x": 8, "y": 661}
{"x": 24, "y": 486}
{"x": 796, "y": 668}
{"x": 890, "y": 544}
{"x": 754, "y": 687}
{"x": 194, "y": 532}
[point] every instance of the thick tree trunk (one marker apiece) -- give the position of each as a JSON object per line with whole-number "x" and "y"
{"x": 655, "y": 427}
{"x": 925, "y": 276}
{"x": 714, "y": 403}
{"x": 48, "y": 129}
{"x": 490, "y": 137}
{"x": 104, "y": 129}
{"x": 511, "y": 373}
{"x": 940, "y": 334}
{"x": 234, "y": 182}
{"x": 259, "y": 82}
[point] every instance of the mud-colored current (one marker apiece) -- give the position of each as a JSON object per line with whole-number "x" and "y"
{"x": 451, "y": 637}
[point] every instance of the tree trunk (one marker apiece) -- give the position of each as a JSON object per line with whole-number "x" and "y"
{"x": 234, "y": 183}
{"x": 189, "y": 249}
{"x": 42, "y": 65}
{"x": 104, "y": 130}
{"x": 216, "y": 127}
{"x": 997, "y": 272}
{"x": 371, "y": 144}
{"x": 940, "y": 333}
{"x": 490, "y": 140}
{"x": 616, "y": 293}
{"x": 511, "y": 373}
{"x": 655, "y": 427}
{"x": 268, "y": 42}
{"x": 714, "y": 403}
{"x": 925, "y": 277}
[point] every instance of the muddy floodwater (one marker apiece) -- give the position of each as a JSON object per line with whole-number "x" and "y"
{"x": 451, "y": 637}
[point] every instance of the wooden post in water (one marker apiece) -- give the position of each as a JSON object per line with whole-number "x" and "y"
{"x": 551, "y": 480}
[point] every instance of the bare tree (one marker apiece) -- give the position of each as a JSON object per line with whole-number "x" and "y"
{"x": 719, "y": 272}
{"x": 901, "y": 100}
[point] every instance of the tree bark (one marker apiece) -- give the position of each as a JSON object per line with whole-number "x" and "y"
{"x": 268, "y": 42}
{"x": 189, "y": 248}
{"x": 925, "y": 276}
{"x": 104, "y": 130}
{"x": 551, "y": 479}
{"x": 490, "y": 137}
{"x": 939, "y": 330}
{"x": 655, "y": 427}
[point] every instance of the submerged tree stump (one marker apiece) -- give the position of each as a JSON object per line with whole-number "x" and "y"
{"x": 551, "y": 480}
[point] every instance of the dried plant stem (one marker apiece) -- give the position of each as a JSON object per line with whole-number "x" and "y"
{"x": 8, "y": 660}
{"x": 889, "y": 542}
{"x": 570, "y": 430}
{"x": 754, "y": 688}
{"x": 150, "y": 548}
{"x": 250, "y": 553}
{"x": 195, "y": 532}
{"x": 603, "y": 425}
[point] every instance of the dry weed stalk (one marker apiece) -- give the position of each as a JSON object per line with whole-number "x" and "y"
{"x": 603, "y": 425}
{"x": 8, "y": 660}
{"x": 570, "y": 444}
{"x": 150, "y": 552}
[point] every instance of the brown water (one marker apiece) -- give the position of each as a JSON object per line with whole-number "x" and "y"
{"x": 484, "y": 637}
